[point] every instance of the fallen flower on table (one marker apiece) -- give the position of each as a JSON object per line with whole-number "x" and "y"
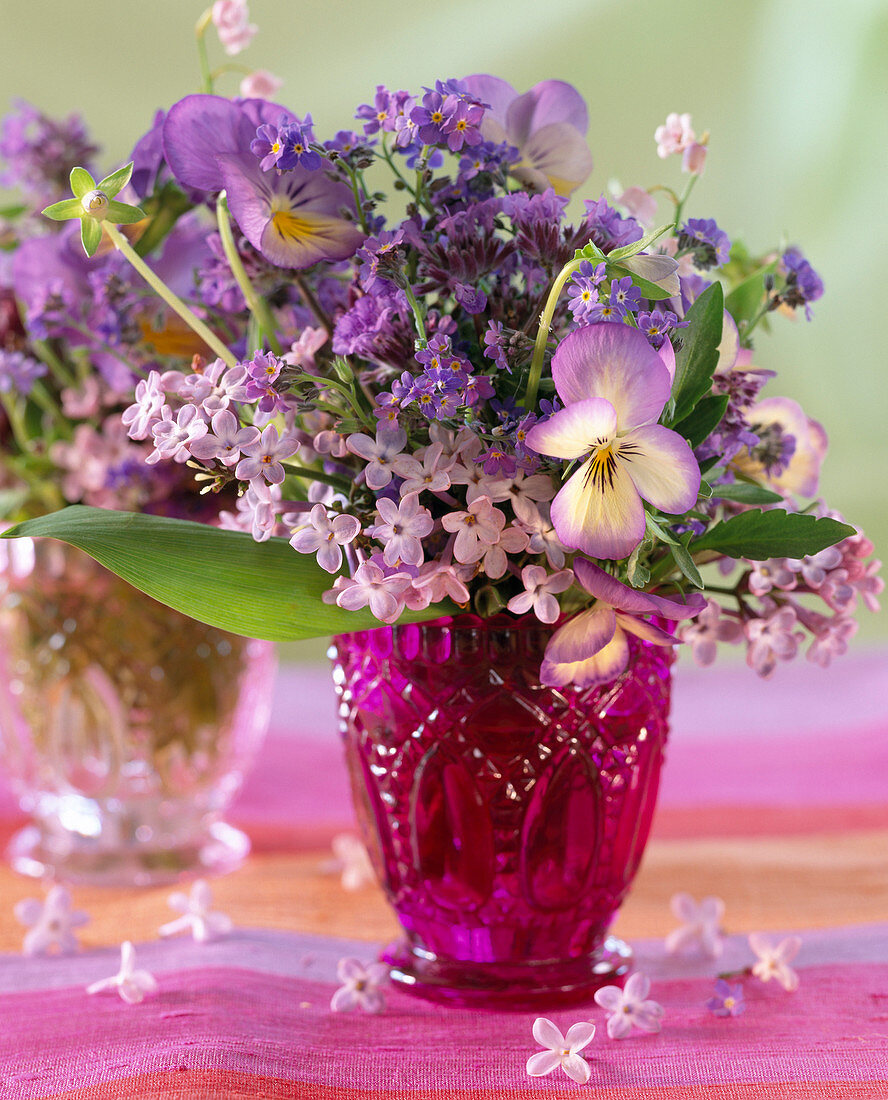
{"x": 360, "y": 987}
{"x": 701, "y": 926}
{"x": 51, "y": 923}
{"x": 197, "y": 915}
{"x": 352, "y": 860}
{"x": 561, "y": 1050}
{"x": 727, "y": 999}
{"x": 773, "y": 959}
{"x": 629, "y": 1006}
{"x": 131, "y": 984}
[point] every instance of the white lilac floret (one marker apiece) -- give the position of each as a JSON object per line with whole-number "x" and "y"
{"x": 630, "y": 1007}
{"x": 197, "y": 915}
{"x": 562, "y": 1051}
{"x": 131, "y": 984}
{"x": 50, "y": 923}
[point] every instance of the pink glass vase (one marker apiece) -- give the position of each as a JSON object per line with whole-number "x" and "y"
{"x": 505, "y": 820}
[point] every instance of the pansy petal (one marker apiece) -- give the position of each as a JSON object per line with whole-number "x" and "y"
{"x": 667, "y": 353}
{"x": 538, "y": 1065}
{"x": 575, "y": 430}
{"x": 658, "y": 269}
{"x": 197, "y": 130}
{"x": 556, "y": 156}
{"x": 602, "y": 668}
{"x": 611, "y": 591}
{"x": 614, "y": 362}
{"x": 548, "y": 102}
{"x": 547, "y": 1034}
{"x": 583, "y": 636}
{"x": 496, "y": 93}
{"x": 599, "y": 511}
{"x": 662, "y": 467}
{"x": 729, "y": 346}
{"x": 642, "y": 629}
{"x": 579, "y": 1035}
{"x": 577, "y": 1068}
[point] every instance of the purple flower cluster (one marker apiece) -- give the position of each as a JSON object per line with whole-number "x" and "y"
{"x": 702, "y": 239}
{"x": 40, "y": 152}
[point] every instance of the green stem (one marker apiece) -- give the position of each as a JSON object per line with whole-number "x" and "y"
{"x": 679, "y": 208}
{"x": 539, "y": 347}
{"x": 41, "y": 396}
{"x": 359, "y": 202}
{"x": 200, "y": 31}
{"x": 164, "y": 292}
{"x": 318, "y": 475}
{"x": 311, "y": 301}
{"x": 63, "y": 376}
{"x": 747, "y": 329}
{"x": 16, "y": 423}
{"x": 418, "y": 318}
{"x": 255, "y": 303}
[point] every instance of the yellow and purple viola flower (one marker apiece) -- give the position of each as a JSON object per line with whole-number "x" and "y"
{"x": 293, "y": 218}
{"x": 593, "y": 647}
{"x": 547, "y": 125}
{"x": 614, "y": 387}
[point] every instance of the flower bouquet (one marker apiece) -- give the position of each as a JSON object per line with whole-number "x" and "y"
{"x": 512, "y": 443}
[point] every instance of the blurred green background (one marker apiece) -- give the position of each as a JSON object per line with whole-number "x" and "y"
{"x": 793, "y": 92}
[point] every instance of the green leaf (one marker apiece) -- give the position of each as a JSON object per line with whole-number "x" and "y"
{"x": 122, "y": 213}
{"x": 224, "y": 578}
{"x": 685, "y": 563}
{"x": 746, "y": 492}
{"x": 11, "y": 212}
{"x": 116, "y": 181}
{"x": 640, "y": 245}
{"x": 11, "y": 500}
{"x": 590, "y": 251}
{"x": 63, "y": 211}
{"x": 637, "y": 573}
{"x": 654, "y": 528}
{"x": 90, "y": 235}
{"x": 698, "y": 356}
{"x": 759, "y": 535}
{"x": 81, "y": 182}
{"x": 706, "y": 415}
{"x": 748, "y": 296}
{"x": 648, "y": 289}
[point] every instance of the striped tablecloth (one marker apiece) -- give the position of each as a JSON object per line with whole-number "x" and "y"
{"x": 775, "y": 798}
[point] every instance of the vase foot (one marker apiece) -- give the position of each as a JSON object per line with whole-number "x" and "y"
{"x": 519, "y": 986}
{"x": 215, "y": 850}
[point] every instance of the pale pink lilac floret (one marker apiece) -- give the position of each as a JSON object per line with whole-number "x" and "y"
{"x": 361, "y": 986}
{"x": 593, "y": 647}
{"x": 477, "y": 529}
{"x": 540, "y": 588}
{"x": 772, "y": 638}
{"x": 401, "y": 529}
{"x": 708, "y": 629}
{"x": 495, "y": 562}
{"x": 614, "y": 386}
{"x": 352, "y": 861}
{"x": 371, "y": 587}
{"x": 379, "y": 454}
{"x": 226, "y": 442}
{"x": 421, "y": 473}
{"x": 146, "y": 411}
{"x": 640, "y": 204}
{"x": 51, "y": 923}
{"x": 629, "y": 1007}
{"x": 264, "y": 457}
{"x": 260, "y": 84}
{"x": 325, "y": 535}
{"x": 198, "y": 916}
{"x": 773, "y": 959}
{"x": 562, "y": 1051}
{"x": 700, "y": 929}
{"x": 675, "y": 135}
{"x": 173, "y": 438}
{"x": 129, "y": 983}
{"x": 231, "y": 20}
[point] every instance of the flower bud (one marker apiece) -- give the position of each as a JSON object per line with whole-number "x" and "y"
{"x": 95, "y": 204}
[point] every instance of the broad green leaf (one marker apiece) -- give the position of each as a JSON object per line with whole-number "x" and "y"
{"x": 640, "y": 245}
{"x": 747, "y": 297}
{"x": 706, "y": 415}
{"x": 90, "y": 235}
{"x": 81, "y": 182}
{"x": 746, "y": 492}
{"x": 655, "y": 529}
{"x": 759, "y": 535}
{"x": 63, "y": 211}
{"x": 122, "y": 213}
{"x": 116, "y": 181}
{"x": 685, "y": 563}
{"x": 697, "y": 358}
{"x": 660, "y": 271}
{"x": 648, "y": 289}
{"x": 224, "y": 578}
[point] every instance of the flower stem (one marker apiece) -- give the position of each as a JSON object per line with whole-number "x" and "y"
{"x": 418, "y": 319}
{"x": 255, "y": 303}
{"x": 163, "y": 291}
{"x": 542, "y": 337}
{"x": 313, "y": 304}
{"x": 63, "y": 376}
{"x": 686, "y": 194}
{"x": 200, "y": 30}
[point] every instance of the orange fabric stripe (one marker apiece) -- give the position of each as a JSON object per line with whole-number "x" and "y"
{"x": 209, "y": 1084}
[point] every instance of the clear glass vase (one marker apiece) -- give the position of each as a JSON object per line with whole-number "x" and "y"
{"x": 505, "y": 820}
{"x": 125, "y": 727}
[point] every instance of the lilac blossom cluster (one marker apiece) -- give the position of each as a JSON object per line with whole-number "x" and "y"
{"x": 475, "y": 402}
